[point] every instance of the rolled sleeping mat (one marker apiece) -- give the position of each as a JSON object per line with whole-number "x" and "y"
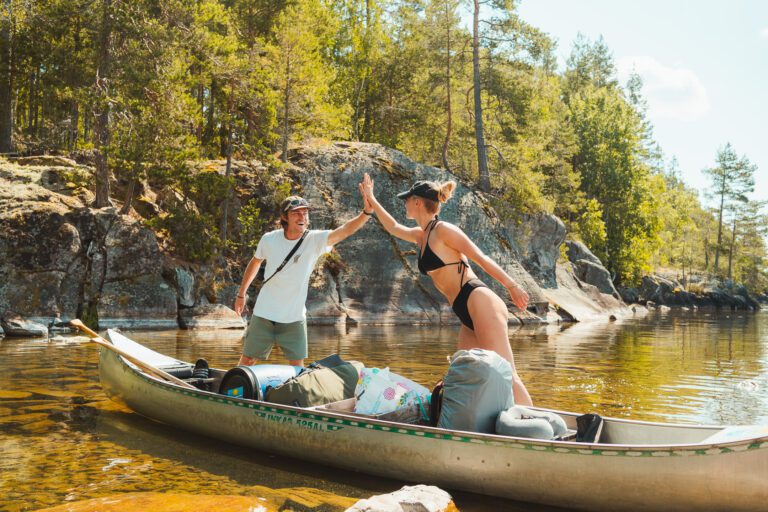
{"x": 523, "y": 422}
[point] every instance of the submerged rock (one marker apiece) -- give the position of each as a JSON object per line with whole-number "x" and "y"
{"x": 167, "y": 502}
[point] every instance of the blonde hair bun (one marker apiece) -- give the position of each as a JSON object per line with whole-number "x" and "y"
{"x": 445, "y": 190}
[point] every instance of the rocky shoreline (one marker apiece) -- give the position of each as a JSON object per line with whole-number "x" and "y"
{"x": 61, "y": 259}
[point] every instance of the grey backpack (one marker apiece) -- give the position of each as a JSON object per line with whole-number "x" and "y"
{"x": 477, "y": 387}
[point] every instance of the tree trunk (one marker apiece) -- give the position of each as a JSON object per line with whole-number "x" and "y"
{"x": 484, "y": 177}
{"x": 101, "y": 128}
{"x": 356, "y": 120}
{"x": 366, "y": 81}
{"x": 200, "y": 95}
{"x": 6, "y": 79}
{"x": 731, "y": 248}
{"x": 447, "y": 90}
{"x": 74, "y": 118}
{"x": 706, "y": 254}
{"x": 286, "y": 106}
{"x": 86, "y": 126}
{"x": 131, "y": 189}
{"x": 228, "y": 172}
{"x": 31, "y": 104}
{"x": 719, "y": 228}
{"x": 210, "y": 119}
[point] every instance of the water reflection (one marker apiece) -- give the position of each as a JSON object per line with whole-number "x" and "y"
{"x": 63, "y": 441}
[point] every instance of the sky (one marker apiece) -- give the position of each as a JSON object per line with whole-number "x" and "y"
{"x": 704, "y": 66}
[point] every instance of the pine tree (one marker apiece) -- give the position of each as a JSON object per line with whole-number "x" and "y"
{"x": 732, "y": 179}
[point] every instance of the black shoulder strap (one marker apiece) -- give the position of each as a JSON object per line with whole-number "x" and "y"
{"x": 293, "y": 251}
{"x": 436, "y": 404}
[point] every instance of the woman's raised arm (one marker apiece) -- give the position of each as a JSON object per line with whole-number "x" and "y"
{"x": 387, "y": 221}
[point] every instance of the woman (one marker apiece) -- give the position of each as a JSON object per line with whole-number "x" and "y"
{"x": 444, "y": 251}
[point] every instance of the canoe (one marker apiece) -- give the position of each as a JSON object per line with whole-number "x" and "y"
{"x": 635, "y": 466}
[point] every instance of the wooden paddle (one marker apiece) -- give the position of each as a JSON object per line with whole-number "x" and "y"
{"x": 157, "y": 372}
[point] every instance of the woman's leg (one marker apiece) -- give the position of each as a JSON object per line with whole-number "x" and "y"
{"x": 490, "y": 318}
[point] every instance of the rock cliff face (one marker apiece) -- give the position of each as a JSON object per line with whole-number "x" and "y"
{"x": 60, "y": 259}
{"x": 380, "y": 281}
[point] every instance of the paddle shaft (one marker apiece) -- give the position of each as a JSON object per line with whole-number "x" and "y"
{"x": 157, "y": 372}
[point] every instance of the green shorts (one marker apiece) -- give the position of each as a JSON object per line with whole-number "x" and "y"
{"x": 262, "y": 334}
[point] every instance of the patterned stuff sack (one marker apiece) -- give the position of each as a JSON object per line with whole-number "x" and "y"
{"x": 381, "y": 391}
{"x": 317, "y": 385}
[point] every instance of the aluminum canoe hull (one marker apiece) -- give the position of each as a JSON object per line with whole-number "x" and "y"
{"x": 680, "y": 477}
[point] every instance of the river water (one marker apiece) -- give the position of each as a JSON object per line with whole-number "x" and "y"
{"x": 62, "y": 440}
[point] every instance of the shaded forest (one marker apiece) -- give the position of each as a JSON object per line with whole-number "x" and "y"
{"x": 145, "y": 89}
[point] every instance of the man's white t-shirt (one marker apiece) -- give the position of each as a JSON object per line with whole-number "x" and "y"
{"x": 283, "y": 298}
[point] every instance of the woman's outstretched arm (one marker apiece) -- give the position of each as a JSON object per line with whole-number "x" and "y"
{"x": 455, "y": 238}
{"x": 387, "y": 221}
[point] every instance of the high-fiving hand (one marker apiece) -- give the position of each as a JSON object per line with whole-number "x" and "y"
{"x": 366, "y": 188}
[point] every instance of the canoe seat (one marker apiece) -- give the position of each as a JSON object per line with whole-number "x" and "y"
{"x": 570, "y": 435}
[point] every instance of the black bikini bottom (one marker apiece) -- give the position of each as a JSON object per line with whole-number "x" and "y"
{"x": 460, "y": 303}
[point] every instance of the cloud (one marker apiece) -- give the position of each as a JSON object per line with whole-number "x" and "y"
{"x": 672, "y": 93}
{"x": 764, "y": 33}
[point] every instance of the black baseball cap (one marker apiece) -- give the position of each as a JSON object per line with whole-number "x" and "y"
{"x": 425, "y": 189}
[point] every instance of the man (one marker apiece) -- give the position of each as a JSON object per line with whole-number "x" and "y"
{"x": 280, "y": 316}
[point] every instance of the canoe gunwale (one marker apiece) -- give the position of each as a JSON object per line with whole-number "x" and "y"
{"x": 456, "y": 435}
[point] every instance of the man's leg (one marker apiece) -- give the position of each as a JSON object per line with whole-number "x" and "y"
{"x": 292, "y": 339}
{"x": 257, "y": 342}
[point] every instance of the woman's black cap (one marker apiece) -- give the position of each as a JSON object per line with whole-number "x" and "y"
{"x": 425, "y": 189}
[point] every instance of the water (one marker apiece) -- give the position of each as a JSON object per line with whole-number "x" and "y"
{"x": 63, "y": 441}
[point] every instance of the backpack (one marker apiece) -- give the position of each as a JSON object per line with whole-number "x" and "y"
{"x": 476, "y": 388}
{"x": 319, "y": 384}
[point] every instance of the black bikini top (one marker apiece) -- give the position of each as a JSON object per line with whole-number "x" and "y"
{"x": 429, "y": 261}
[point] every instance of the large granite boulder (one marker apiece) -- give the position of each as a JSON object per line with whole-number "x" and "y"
{"x": 377, "y": 278}
{"x": 709, "y": 293}
{"x": 576, "y": 251}
{"x": 539, "y": 238}
{"x": 14, "y": 325}
{"x": 210, "y": 316}
{"x": 664, "y": 291}
{"x": 589, "y": 268}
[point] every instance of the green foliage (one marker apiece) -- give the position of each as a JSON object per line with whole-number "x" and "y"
{"x": 194, "y": 234}
{"x": 301, "y": 75}
{"x": 590, "y": 227}
{"x": 609, "y": 135}
{"x": 245, "y": 79}
{"x": 252, "y": 223}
